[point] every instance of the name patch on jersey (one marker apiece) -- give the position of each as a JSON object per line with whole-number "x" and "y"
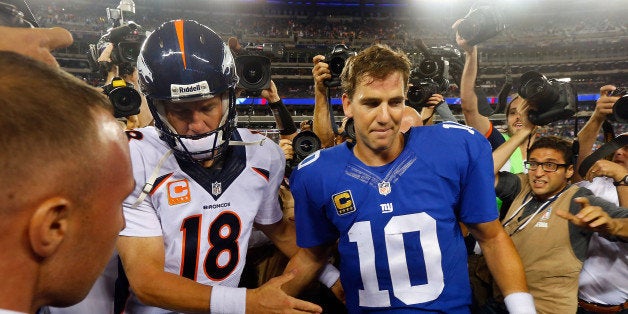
{"x": 343, "y": 202}
{"x": 179, "y": 192}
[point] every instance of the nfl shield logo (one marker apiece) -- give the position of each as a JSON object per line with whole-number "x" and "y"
{"x": 384, "y": 188}
{"x": 216, "y": 188}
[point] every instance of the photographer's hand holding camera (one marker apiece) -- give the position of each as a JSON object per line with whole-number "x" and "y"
{"x": 122, "y": 77}
{"x": 589, "y": 133}
{"x": 468, "y": 97}
{"x": 322, "y": 120}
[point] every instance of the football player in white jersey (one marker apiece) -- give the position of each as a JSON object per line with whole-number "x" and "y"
{"x": 201, "y": 185}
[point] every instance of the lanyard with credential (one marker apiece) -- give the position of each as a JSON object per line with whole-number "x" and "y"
{"x": 538, "y": 210}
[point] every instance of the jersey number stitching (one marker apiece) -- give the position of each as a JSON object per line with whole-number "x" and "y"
{"x": 223, "y": 236}
{"x": 371, "y": 296}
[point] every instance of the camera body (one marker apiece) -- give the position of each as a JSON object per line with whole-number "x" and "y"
{"x": 253, "y": 67}
{"x": 432, "y": 74}
{"x": 125, "y": 99}
{"x": 481, "y": 23}
{"x": 303, "y": 144}
{"x": 126, "y": 36}
{"x": 336, "y": 60}
{"x": 550, "y": 100}
{"x": 620, "y": 108}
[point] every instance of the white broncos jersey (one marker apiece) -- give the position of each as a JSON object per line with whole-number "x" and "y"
{"x": 205, "y": 216}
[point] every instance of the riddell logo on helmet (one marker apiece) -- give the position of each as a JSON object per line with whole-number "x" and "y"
{"x": 200, "y": 89}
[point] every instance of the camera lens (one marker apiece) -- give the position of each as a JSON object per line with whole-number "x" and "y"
{"x": 416, "y": 95}
{"x": 129, "y": 51}
{"x": 428, "y": 68}
{"x": 620, "y": 109}
{"x": 305, "y": 143}
{"x": 336, "y": 65}
{"x": 537, "y": 89}
{"x": 252, "y": 73}
{"x": 126, "y": 101}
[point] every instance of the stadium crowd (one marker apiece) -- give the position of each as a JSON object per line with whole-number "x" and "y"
{"x": 407, "y": 205}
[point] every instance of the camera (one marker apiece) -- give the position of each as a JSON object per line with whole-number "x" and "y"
{"x": 620, "y": 108}
{"x": 481, "y": 23}
{"x": 254, "y": 74}
{"x": 125, "y": 99}
{"x": 550, "y": 100}
{"x": 126, "y": 36}
{"x": 336, "y": 60}
{"x": 303, "y": 144}
{"x": 349, "y": 130}
{"x": 253, "y": 66}
{"x": 432, "y": 74}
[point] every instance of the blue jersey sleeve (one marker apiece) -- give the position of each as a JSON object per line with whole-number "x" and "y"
{"x": 477, "y": 199}
{"x": 307, "y": 186}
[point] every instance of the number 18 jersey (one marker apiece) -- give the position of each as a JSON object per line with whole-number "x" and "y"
{"x": 400, "y": 244}
{"x": 205, "y": 216}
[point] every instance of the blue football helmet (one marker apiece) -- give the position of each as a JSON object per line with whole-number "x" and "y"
{"x": 184, "y": 61}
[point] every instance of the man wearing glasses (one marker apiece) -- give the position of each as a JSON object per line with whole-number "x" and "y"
{"x": 552, "y": 250}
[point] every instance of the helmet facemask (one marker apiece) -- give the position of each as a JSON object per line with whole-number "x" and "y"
{"x": 199, "y": 147}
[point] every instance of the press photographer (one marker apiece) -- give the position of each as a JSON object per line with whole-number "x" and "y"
{"x": 432, "y": 73}
{"x": 336, "y": 60}
{"x": 125, "y": 36}
{"x": 121, "y": 86}
{"x": 483, "y": 22}
{"x": 253, "y": 65}
{"x": 549, "y": 99}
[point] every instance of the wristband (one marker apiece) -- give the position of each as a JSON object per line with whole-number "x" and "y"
{"x": 622, "y": 182}
{"x": 520, "y": 303}
{"x": 226, "y": 300}
{"x": 276, "y": 104}
{"x": 329, "y": 275}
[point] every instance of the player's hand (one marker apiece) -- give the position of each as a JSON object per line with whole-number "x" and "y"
{"x": 590, "y": 217}
{"x": 269, "y": 298}
{"x": 320, "y": 72}
{"x": 338, "y": 291}
{"x": 286, "y": 146}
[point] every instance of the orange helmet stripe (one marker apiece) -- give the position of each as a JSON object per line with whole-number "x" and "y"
{"x": 178, "y": 26}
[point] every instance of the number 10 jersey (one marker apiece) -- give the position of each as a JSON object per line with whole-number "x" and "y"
{"x": 400, "y": 244}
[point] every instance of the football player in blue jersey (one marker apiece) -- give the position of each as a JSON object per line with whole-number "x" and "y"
{"x": 393, "y": 203}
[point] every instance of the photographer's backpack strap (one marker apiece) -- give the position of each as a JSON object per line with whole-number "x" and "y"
{"x": 602, "y": 152}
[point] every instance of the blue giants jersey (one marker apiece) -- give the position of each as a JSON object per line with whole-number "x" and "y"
{"x": 400, "y": 244}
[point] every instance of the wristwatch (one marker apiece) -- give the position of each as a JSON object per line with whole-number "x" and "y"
{"x": 621, "y": 182}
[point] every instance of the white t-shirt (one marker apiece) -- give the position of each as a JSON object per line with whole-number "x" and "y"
{"x": 604, "y": 275}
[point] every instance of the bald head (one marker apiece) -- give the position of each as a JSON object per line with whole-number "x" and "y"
{"x": 411, "y": 118}
{"x": 47, "y": 124}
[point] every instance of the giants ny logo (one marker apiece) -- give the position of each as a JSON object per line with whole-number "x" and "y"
{"x": 178, "y": 192}
{"x": 386, "y": 208}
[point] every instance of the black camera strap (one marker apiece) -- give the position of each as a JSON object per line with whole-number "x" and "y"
{"x": 602, "y": 152}
{"x": 332, "y": 118}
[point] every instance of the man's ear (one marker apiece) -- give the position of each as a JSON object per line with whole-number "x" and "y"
{"x": 569, "y": 172}
{"x": 346, "y": 102}
{"x": 49, "y": 226}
